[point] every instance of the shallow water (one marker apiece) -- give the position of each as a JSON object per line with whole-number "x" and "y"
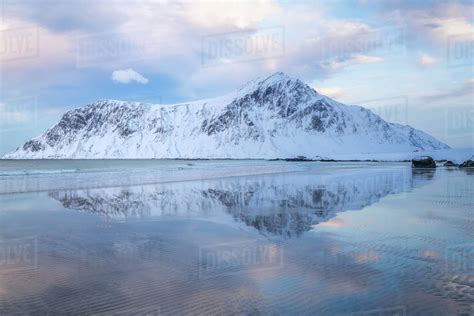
{"x": 235, "y": 237}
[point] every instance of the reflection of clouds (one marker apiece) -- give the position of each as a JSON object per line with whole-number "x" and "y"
{"x": 428, "y": 253}
{"x": 334, "y": 223}
{"x": 230, "y": 258}
{"x": 369, "y": 256}
{"x": 346, "y": 287}
{"x": 116, "y": 272}
{"x": 328, "y": 267}
{"x": 127, "y": 267}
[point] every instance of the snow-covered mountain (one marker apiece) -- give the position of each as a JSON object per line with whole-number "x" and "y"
{"x": 275, "y": 117}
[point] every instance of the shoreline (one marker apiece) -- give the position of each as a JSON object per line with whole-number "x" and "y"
{"x": 456, "y": 155}
{"x": 215, "y": 159}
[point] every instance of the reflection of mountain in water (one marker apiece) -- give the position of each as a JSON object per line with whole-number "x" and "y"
{"x": 286, "y": 205}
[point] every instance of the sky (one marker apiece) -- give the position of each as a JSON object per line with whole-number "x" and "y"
{"x": 411, "y": 62}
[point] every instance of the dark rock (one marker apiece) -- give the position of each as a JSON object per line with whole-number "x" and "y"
{"x": 423, "y": 162}
{"x": 33, "y": 145}
{"x": 298, "y": 158}
{"x": 467, "y": 164}
{"x": 317, "y": 124}
{"x": 449, "y": 163}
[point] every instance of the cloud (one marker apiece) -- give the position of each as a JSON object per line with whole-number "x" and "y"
{"x": 221, "y": 13}
{"x": 12, "y": 114}
{"x": 466, "y": 89}
{"x": 364, "y": 59}
{"x": 353, "y": 60}
{"x": 430, "y": 23}
{"x": 67, "y": 17}
{"x": 166, "y": 39}
{"x": 426, "y": 60}
{"x": 128, "y": 75}
{"x": 441, "y": 29}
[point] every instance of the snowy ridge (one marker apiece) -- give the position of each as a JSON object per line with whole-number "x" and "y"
{"x": 275, "y": 117}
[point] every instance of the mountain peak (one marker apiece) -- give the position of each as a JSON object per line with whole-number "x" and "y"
{"x": 279, "y": 79}
{"x": 279, "y": 74}
{"x": 276, "y": 77}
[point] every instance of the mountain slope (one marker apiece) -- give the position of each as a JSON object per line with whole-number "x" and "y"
{"x": 277, "y": 117}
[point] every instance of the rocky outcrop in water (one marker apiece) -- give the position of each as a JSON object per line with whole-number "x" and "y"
{"x": 449, "y": 163}
{"x": 467, "y": 164}
{"x": 424, "y": 162}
